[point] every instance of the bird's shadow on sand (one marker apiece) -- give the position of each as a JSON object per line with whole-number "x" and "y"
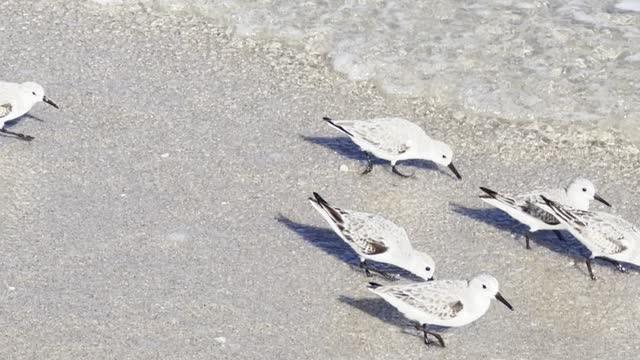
{"x": 9, "y": 124}
{"x": 16, "y": 121}
{"x": 500, "y": 220}
{"x": 322, "y": 238}
{"x": 346, "y": 148}
{"x": 497, "y": 218}
{"x": 378, "y": 308}
{"x": 329, "y": 242}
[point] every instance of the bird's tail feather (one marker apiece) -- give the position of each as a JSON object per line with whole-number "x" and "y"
{"x": 490, "y": 194}
{"x": 373, "y": 286}
{"x": 333, "y": 213}
{"x": 333, "y": 124}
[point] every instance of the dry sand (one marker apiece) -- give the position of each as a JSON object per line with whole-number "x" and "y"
{"x": 162, "y": 212}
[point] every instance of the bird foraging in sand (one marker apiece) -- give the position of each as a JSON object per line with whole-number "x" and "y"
{"x": 394, "y": 139}
{"x": 16, "y": 100}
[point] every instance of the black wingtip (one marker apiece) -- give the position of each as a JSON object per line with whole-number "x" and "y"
{"x": 319, "y": 198}
{"x": 337, "y": 126}
{"x": 333, "y": 213}
{"x": 549, "y": 202}
{"x": 373, "y": 285}
{"x": 556, "y": 209}
{"x": 489, "y": 192}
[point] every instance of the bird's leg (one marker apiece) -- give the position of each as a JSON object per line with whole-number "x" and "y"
{"x": 436, "y": 335}
{"x": 593, "y": 277}
{"x": 18, "y": 135}
{"x": 369, "y": 163}
{"x": 389, "y": 276}
{"x": 424, "y": 333}
{"x": 381, "y": 273}
{"x": 426, "y": 339}
{"x": 619, "y": 266}
{"x": 363, "y": 265}
{"x": 395, "y": 171}
{"x": 370, "y": 269}
{"x": 526, "y": 240}
{"x": 559, "y": 235}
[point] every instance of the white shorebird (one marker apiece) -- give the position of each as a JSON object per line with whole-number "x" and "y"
{"x": 524, "y": 207}
{"x": 16, "y": 100}
{"x": 450, "y": 303}
{"x": 607, "y": 236}
{"x": 394, "y": 139}
{"x": 375, "y": 238}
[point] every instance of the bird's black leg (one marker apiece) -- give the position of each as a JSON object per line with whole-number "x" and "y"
{"x": 617, "y": 264}
{"x": 559, "y": 235}
{"x": 593, "y": 277}
{"x": 424, "y": 333}
{"x": 526, "y": 240}
{"x": 18, "y": 135}
{"x": 436, "y": 335}
{"x": 363, "y": 265}
{"x": 369, "y": 163}
{"x": 395, "y": 171}
{"x": 382, "y": 273}
{"x": 369, "y": 269}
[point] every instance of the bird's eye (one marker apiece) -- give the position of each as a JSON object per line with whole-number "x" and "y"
{"x": 428, "y": 268}
{"x": 484, "y": 286}
{"x": 584, "y": 189}
{"x": 444, "y": 156}
{"x": 34, "y": 93}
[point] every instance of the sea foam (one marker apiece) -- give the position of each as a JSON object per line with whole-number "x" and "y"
{"x": 522, "y": 60}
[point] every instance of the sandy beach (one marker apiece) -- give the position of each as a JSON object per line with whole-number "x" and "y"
{"x": 162, "y": 213}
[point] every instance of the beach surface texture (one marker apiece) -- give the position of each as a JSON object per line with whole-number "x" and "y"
{"x": 162, "y": 212}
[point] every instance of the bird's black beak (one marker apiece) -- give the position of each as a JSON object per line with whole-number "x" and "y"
{"x": 597, "y": 197}
{"x": 504, "y": 301}
{"x": 453, "y": 168}
{"x": 45, "y": 99}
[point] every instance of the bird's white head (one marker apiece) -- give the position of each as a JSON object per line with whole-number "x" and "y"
{"x": 440, "y": 153}
{"x": 487, "y": 286}
{"x": 422, "y": 265}
{"x": 580, "y": 192}
{"x": 34, "y": 93}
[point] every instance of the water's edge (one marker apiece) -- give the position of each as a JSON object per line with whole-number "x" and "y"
{"x": 587, "y": 128}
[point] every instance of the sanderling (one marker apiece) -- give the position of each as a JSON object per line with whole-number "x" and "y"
{"x": 523, "y": 207}
{"x": 16, "y": 100}
{"x": 450, "y": 303}
{"x": 607, "y": 236}
{"x": 395, "y": 139}
{"x": 375, "y": 238}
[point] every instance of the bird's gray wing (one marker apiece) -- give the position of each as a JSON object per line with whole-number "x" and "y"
{"x": 608, "y": 233}
{"x": 370, "y": 233}
{"x": 383, "y": 134}
{"x": 438, "y": 300}
{"x": 530, "y": 204}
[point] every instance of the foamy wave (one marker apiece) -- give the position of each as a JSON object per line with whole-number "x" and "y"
{"x": 557, "y": 60}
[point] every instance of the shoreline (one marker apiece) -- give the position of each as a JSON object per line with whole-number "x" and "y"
{"x": 597, "y": 130}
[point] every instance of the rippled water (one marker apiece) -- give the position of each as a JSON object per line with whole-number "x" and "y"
{"x": 520, "y": 60}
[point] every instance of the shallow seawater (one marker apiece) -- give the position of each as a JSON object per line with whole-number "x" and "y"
{"x": 575, "y": 60}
